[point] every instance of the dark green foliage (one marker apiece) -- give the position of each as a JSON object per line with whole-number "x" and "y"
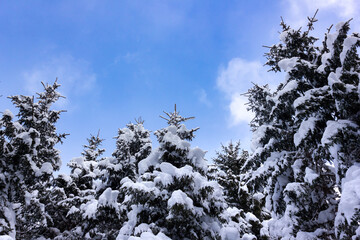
{"x": 28, "y": 159}
{"x": 173, "y": 195}
{"x": 294, "y": 130}
{"x": 230, "y": 161}
{"x": 133, "y": 144}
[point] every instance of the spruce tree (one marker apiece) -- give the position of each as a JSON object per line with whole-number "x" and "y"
{"x": 29, "y": 158}
{"x": 292, "y": 160}
{"x": 173, "y": 195}
{"x": 76, "y": 194}
{"x": 7, "y": 218}
{"x": 229, "y": 165}
{"x": 96, "y": 208}
{"x": 230, "y": 161}
{"x": 133, "y": 144}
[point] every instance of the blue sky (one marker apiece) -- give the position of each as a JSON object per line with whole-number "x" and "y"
{"x": 118, "y": 60}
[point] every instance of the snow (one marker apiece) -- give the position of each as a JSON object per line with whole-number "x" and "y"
{"x": 46, "y": 168}
{"x": 18, "y": 126}
{"x": 30, "y": 195}
{"x": 350, "y": 196}
{"x": 295, "y": 187}
{"x": 151, "y": 160}
{"x": 310, "y": 175}
{"x": 278, "y": 228}
{"x": 326, "y": 215}
{"x": 293, "y": 84}
{"x": 144, "y": 186}
{"x": 309, "y": 94}
{"x": 324, "y": 60}
{"x": 258, "y": 196}
{"x": 197, "y": 157}
{"x": 258, "y": 136}
{"x": 172, "y": 138}
{"x": 348, "y": 43}
{"x": 334, "y": 78}
{"x": 109, "y": 198}
{"x": 331, "y": 37}
{"x": 179, "y": 197}
{"x": 143, "y": 227}
{"x": 310, "y": 235}
{"x": 248, "y": 236}
{"x": 77, "y": 162}
{"x": 287, "y": 64}
{"x": 333, "y": 127}
{"x": 305, "y": 127}
{"x": 25, "y": 136}
{"x": 297, "y": 167}
{"x": 72, "y": 210}
{"x": 150, "y": 236}
{"x": 89, "y": 208}
{"x": 285, "y": 34}
{"x": 251, "y": 217}
{"x": 339, "y": 25}
{"x": 127, "y": 135}
{"x": 230, "y": 233}
{"x": 10, "y": 215}
{"x": 271, "y": 163}
{"x": 128, "y": 226}
{"x": 6, "y": 237}
{"x": 7, "y": 112}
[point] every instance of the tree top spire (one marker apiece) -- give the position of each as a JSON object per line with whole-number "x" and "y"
{"x": 174, "y": 118}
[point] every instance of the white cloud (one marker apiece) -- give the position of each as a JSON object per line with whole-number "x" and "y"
{"x": 238, "y": 110}
{"x": 236, "y": 79}
{"x": 297, "y": 11}
{"x": 203, "y": 98}
{"x": 237, "y": 76}
{"x": 75, "y": 76}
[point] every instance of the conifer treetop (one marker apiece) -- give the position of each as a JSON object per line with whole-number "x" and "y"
{"x": 174, "y": 118}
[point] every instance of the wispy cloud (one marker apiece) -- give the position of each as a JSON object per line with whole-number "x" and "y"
{"x": 75, "y": 76}
{"x": 235, "y": 79}
{"x": 297, "y": 11}
{"x": 203, "y": 97}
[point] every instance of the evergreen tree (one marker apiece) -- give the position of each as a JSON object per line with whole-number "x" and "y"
{"x": 75, "y": 195}
{"x": 230, "y": 161}
{"x": 173, "y": 195}
{"x": 96, "y": 209}
{"x": 7, "y": 218}
{"x": 133, "y": 144}
{"x": 84, "y": 169}
{"x": 229, "y": 164}
{"x": 28, "y": 161}
{"x": 308, "y": 126}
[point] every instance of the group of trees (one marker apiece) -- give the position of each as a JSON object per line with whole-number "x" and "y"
{"x": 302, "y": 180}
{"x": 138, "y": 192}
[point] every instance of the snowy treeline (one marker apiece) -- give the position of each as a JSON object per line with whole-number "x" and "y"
{"x": 301, "y": 180}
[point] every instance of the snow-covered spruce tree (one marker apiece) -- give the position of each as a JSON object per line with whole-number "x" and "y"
{"x": 84, "y": 169}
{"x": 230, "y": 161}
{"x": 133, "y": 144}
{"x": 228, "y": 167}
{"x": 328, "y": 118}
{"x": 96, "y": 209}
{"x": 293, "y": 140}
{"x": 28, "y": 161}
{"x": 173, "y": 196}
{"x": 340, "y": 138}
{"x": 7, "y": 218}
{"x": 71, "y": 195}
